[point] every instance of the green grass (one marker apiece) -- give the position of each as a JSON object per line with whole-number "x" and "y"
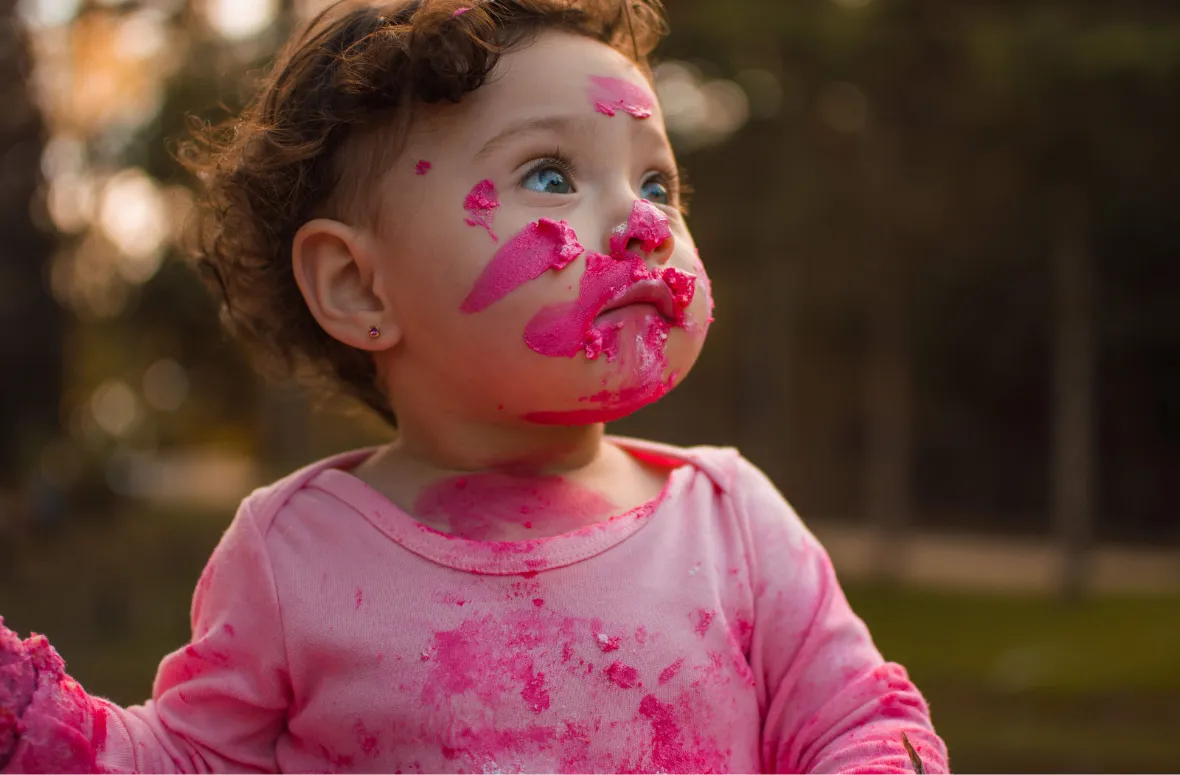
{"x": 1023, "y": 683}
{"x": 1014, "y": 642}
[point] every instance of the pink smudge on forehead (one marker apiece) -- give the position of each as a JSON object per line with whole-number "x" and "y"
{"x": 537, "y": 248}
{"x": 647, "y": 223}
{"x": 478, "y": 506}
{"x": 480, "y": 202}
{"x": 422, "y": 167}
{"x": 609, "y": 95}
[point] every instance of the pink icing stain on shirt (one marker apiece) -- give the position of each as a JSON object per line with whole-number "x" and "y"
{"x": 704, "y": 618}
{"x": 669, "y": 672}
{"x": 609, "y": 95}
{"x": 537, "y": 248}
{"x": 487, "y": 506}
{"x": 534, "y": 693}
{"x": 422, "y": 167}
{"x": 622, "y": 675}
{"x": 669, "y": 752}
{"x": 480, "y": 202}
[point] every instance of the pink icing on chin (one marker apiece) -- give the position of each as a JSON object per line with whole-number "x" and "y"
{"x": 480, "y": 202}
{"x": 609, "y": 95}
{"x": 422, "y": 167}
{"x": 538, "y": 247}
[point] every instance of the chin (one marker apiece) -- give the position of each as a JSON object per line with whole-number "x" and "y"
{"x": 608, "y": 390}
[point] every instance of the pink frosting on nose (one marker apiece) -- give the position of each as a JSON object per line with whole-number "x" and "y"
{"x": 647, "y": 223}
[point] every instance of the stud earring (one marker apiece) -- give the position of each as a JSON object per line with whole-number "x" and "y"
{"x": 374, "y": 332}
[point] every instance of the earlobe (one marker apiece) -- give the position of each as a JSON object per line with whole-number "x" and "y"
{"x": 334, "y": 268}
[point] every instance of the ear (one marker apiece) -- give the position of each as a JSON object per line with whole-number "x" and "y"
{"x": 334, "y": 267}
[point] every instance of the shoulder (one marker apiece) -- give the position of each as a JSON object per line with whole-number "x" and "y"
{"x": 261, "y": 508}
{"x": 743, "y": 493}
{"x": 731, "y": 474}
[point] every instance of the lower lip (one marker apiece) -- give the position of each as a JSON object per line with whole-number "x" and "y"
{"x": 640, "y": 309}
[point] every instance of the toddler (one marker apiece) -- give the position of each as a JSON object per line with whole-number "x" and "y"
{"x": 468, "y": 218}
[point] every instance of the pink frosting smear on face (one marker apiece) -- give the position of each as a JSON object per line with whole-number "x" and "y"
{"x": 537, "y": 248}
{"x": 422, "y": 167}
{"x": 647, "y": 223}
{"x": 609, "y": 95}
{"x": 486, "y": 506}
{"x": 480, "y": 203}
{"x": 564, "y": 330}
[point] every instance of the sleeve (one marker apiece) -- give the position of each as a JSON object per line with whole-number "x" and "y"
{"x": 830, "y": 701}
{"x": 218, "y": 704}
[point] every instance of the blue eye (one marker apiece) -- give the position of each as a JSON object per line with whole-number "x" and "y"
{"x": 655, "y": 190}
{"x": 548, "y": 180}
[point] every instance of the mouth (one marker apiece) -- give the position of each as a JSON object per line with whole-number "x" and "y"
{"x": 652, "y": 292}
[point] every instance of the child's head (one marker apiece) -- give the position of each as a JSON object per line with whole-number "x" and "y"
{"x": 419, "y": 206}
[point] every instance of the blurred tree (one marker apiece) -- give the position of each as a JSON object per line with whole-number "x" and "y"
{"x": 31, "y": 325}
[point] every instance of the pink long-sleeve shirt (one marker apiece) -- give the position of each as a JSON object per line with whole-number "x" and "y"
{"x": 705, "y": 632}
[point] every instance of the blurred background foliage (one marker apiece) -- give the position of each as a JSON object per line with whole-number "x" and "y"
{"x": 943, "y": 242}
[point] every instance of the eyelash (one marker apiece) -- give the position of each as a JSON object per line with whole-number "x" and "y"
{"x": 554, "y": 159}
{"x": 678, "y": 188}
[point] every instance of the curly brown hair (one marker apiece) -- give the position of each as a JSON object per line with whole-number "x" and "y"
{"x": 319, "y": 133}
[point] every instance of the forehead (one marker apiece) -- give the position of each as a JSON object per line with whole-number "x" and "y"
{"x": 551, "y": 75}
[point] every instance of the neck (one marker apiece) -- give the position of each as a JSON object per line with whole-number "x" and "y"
{"x": 448, "y": 444}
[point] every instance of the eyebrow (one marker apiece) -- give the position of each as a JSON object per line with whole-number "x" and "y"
{"x": 569, "y": 124}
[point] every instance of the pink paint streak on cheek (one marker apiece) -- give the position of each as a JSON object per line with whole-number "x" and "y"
{"x": 609, "y": 95}
{"x": 481, "y": 506}
{"x": 537, "y": 248}
{"x": 480, "y": 203}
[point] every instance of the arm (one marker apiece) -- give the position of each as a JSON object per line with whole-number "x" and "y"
{"x": 831, "y": 702}
{"x": 218, "y": 704}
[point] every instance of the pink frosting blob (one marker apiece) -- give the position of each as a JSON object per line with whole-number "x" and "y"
{"x": 537, "y": 248}
{"x": 47, "y": 722}
{"x": 609, "y": 95}
{"x": 480, "y": 506}
{"x": 422, "y": 167}
{"x": 480, "y": 203}
{"x": 647, "y": 224}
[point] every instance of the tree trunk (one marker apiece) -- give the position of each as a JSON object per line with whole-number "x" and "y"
{"x": 888, "y": 381}
{"x": 1073, "y": 385}
{"x": 30, "y": 319}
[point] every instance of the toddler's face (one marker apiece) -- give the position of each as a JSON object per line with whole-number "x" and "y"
{"x": 539, "y": 269}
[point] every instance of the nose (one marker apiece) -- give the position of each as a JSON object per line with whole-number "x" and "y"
{"x": 645, "y": 233}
